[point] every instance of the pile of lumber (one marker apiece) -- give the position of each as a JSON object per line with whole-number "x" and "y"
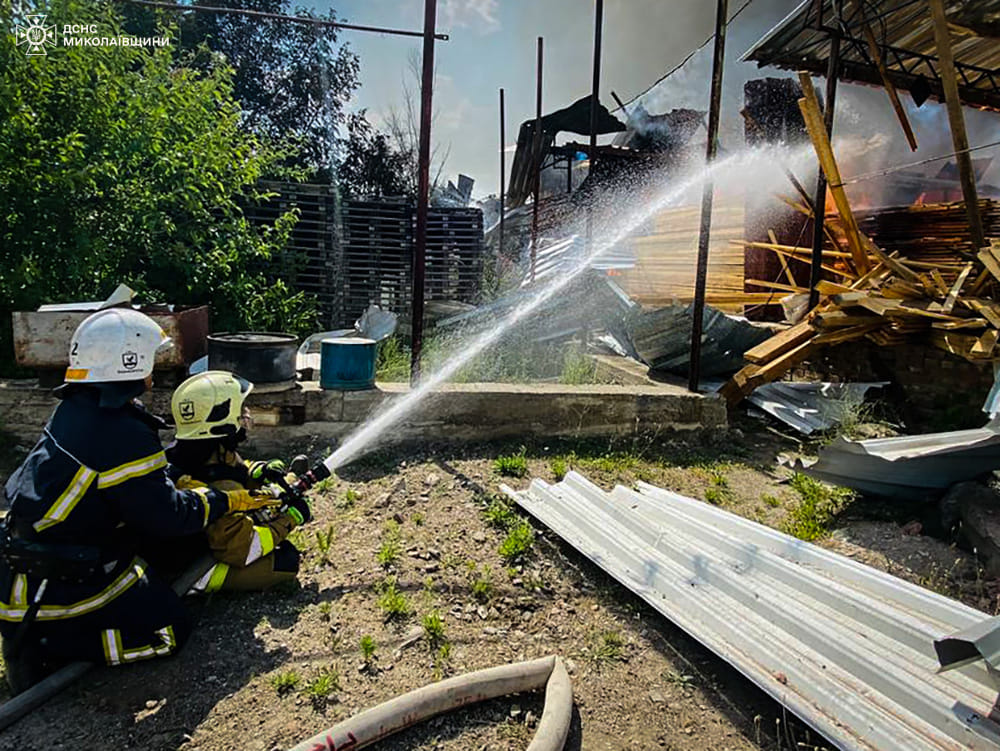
{"x": 933, "y": 233}
{"x": 922, "y": 282}
{"x": 950, "y": 304}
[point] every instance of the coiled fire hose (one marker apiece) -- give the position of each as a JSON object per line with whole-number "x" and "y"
{"x": 399, "y": 713}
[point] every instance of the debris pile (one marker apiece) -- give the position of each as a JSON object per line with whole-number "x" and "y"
{"x": 928, "y": 286}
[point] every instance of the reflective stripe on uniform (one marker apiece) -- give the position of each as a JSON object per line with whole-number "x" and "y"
{"x": 16, "y": 611}
{"x": 19, "y": 592}
{"x": 115, "y": 652}
{"x": 68, "y": 499}
{"x": 131, "y": 470}
{"x": 261, "y": 543}
{"x": 212, "y": 580}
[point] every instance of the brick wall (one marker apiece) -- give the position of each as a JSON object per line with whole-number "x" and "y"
{"x": 933, "y": 389}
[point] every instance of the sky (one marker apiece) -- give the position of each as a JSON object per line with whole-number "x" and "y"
{"x": 493, "y": 45}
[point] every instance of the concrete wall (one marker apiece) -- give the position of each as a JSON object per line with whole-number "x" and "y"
{"x": 462, "y": 412}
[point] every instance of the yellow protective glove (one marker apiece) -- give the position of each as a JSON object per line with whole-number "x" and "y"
{"x": 242, "y": 500}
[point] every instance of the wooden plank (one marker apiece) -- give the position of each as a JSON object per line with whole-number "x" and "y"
{"x": 780, "y": 343}
{"x": 781, "y": 259}
{"x": 956, "y": 119}
{"x": 949, "y": 303}
{"x": 836, "y": 319}
{"x": 942, "y": 287}
{"x": 826, "y": 287}
{"x": 986, "y": 344}
{"x": 987, "y": 309}
{"x": 965, "y": 323}
{"x": 813, "y": 116}
{"x": 775, "y": 285}
{"x": 876, "y": 52}
{"x": 848, "y": 334}
{"x": 992, "y": 265}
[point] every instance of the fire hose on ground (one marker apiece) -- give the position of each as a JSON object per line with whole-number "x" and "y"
{"x": 383, "y": 720}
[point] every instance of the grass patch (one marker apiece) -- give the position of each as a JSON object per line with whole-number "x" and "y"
{"x": 481, "y": 583}
{"x": 512, "y": 465}
{"x": 500, "y": 515}
{"x": 433, "y": 625}
{"x": 324, "y": 540}
{"x": 368, "y": 649}
{"x": 771, "y": 500}
{"x": 718, "y": 491}
{"x": 392, "y": 360}
{"x": 392, "y": 545}
{"x": 518, "y": 542}
{"x": 606, "y": 647}
{"x": 285, "y": 682}
{"x": 809, "y": 520}
{"x": 348, "y": 499}
{"x": 318, "y": 690}
{"x": 578, "y": 368}
{"x": 394, "y": 604}
{"x": 418, "y": 519}
{"x": 559, "y": 467}
{"x": 611, "y": 461}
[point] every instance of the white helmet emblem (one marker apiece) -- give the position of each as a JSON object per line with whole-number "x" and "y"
{"x": 130, "y": 360}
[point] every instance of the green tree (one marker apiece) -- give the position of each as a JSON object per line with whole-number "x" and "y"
{"x": 118, "y": 165}
{"x": 292, "y": 80}
{"x": 369, "y": 166}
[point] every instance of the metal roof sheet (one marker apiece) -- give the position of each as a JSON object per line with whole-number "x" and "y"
{"x": 905, "y": 32}
{"x": 847, "y": 648}
{"x": 909, "y": 466}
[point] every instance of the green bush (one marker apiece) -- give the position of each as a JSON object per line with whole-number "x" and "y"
{"x": 119, "y": 164}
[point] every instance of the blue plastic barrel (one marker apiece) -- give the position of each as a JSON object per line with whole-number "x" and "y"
{"x": 347, "y": 364}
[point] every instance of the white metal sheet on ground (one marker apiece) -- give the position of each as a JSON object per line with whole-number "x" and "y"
{"x": 845, "y": 647}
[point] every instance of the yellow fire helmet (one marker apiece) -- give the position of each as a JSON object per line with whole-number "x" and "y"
{"x": 209, "y": 405}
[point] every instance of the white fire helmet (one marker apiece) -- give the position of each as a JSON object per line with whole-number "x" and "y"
{"x": 118, "y": 344}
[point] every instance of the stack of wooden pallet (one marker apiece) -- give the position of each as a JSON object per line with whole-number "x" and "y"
{"x": 950, "y": 303}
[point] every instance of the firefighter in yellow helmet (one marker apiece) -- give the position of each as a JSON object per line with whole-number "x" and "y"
{"x": 251, "y": 548}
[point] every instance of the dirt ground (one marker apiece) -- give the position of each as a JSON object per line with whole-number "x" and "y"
{"x": 405, "y": 536}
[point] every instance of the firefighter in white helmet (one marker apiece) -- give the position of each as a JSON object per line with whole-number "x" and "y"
{"x": 72, "y": 586}
{"x": 251, "y": 548}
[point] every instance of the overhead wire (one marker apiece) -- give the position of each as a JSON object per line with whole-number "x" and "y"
{"x": 683, "y": 62}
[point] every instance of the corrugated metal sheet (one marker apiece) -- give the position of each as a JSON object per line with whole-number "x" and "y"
{"x": 908, "y": 466}
{"x": 809, "y": 407}
{"x": 846, "y": 648}
{"x": 905, "y": 32}
{"x": 662, "y": 338}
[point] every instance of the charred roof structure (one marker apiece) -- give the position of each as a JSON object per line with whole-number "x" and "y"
{"x": 904, "y": 31}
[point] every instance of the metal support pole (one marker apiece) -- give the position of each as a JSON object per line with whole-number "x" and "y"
{"x": 423, "y": 190}
{"x": 540, "y": 158}
{"x": 714, "y": 111}
{"x": 956, "y": 119}
{"x": 595, "y": 98}
{"x": 569, "y": 174}
{"x": 819, "y": 202}
{"x": 503, "y": 177}
{"x": 595, "y": 89}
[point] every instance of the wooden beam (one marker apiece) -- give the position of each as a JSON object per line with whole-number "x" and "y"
{"x": 779, "y": 343}
{"x": 956, "y": 119}
{"x": 890, "y": 88}
{"x": 813, "y": 117}
{"x": 953, "y": 293}
{"x": 781, "y": 259}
